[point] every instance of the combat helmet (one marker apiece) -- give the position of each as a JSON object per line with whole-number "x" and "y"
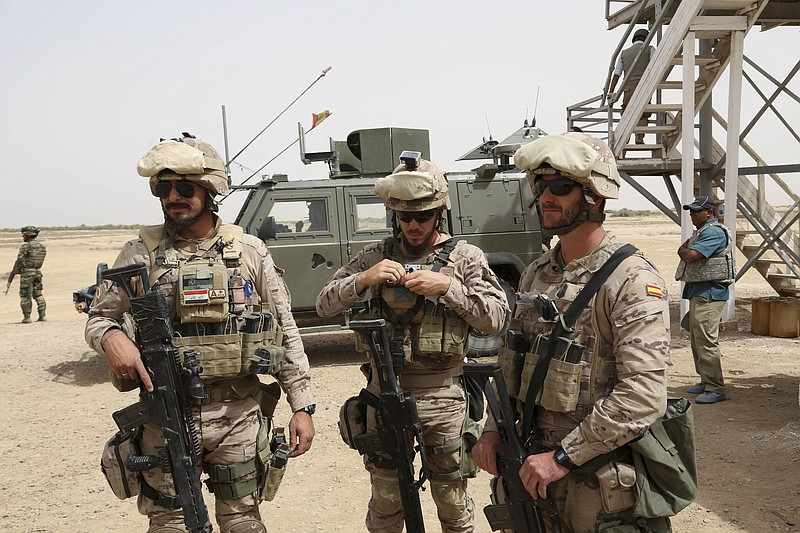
{"x": 579, "y": 157}
{"x": 414, "y": 185}
{"x": 185, "y": 158}
{"x": 574, "y": 155}
{"x": 29, "y": 231}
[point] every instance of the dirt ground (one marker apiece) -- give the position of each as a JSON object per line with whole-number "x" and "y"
{"x": 58, "y": 404}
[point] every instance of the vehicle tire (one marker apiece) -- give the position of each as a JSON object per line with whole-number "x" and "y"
{"x": 484, "y": 345}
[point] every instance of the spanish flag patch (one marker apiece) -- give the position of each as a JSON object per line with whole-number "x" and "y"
{"x": 653, "y": 290}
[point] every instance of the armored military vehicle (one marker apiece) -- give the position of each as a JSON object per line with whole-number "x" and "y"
{"x": 313, "y": 227}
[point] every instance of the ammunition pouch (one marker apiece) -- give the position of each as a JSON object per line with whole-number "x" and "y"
{"x": 441, "y": 333}
{"x": 617, "y": 486}
{"x": 124, "y": 483}
{"x": 226, "y": 353}
{"x": 561, "y": 386}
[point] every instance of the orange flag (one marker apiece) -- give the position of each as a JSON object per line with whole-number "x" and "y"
{"x": 317, "y": 118}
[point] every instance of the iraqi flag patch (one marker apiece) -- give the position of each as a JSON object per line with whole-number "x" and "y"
{"x": 654, "y": 290}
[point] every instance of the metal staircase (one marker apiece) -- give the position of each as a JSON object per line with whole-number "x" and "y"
{"x": 767, "y": 237}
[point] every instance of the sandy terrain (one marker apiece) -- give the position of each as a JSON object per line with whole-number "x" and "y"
{"x": 58, "y": 404}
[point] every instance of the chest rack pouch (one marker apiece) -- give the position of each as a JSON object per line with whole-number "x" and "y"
{"x": 202, "y": 292}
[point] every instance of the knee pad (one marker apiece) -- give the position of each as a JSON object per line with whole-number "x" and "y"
{"x": 386, "y": 496}
{"x": 451, "y": 498}
{"x": 244, "y": 524}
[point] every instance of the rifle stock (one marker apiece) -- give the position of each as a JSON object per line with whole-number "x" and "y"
{"x": 520, "y": 511}
{"x": 175, "y": 386}
{"x": 398, "y": 423}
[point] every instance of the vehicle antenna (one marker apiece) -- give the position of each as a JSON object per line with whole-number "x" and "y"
{"x": 259, "y": 169}
{"x": 535, "y": 106}
{"x": 487, "y": 126}
{"x": 324, "y": 72}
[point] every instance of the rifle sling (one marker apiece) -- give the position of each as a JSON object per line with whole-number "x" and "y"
{"x": 564, "y": 325}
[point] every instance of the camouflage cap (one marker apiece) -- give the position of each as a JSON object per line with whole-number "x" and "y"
{"x": 184, "y": 158}
{"x": 30, "y": 230}
{"x": 414, "y": 190}
{"x": 576, "y": 156}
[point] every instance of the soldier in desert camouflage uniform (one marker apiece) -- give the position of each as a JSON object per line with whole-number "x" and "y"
{"x": 186, "y": 174}
{"x": 463, "y": 294}
{"x": 28, "y": 267}
{"x": 622, "y": 375}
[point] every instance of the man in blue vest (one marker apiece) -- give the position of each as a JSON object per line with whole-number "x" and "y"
{"x": 707, "y": 269}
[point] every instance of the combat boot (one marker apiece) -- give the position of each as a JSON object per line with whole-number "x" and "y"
{"x": 26, "y": 319}
{"x": 42, "y": 317}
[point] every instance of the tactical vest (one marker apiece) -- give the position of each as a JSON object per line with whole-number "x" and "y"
{"x": 582, "y": 371}
{"x": 628, "y": 56}
{"x": 215, "y": 308}
{"x": 434, "y": 336}
{"x": 719, "y": 267}
{"x": 33, "y": 256}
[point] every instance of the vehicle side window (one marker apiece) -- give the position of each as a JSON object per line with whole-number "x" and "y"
{"x": 300, "y": 216}
{"x": 371, "y": 214}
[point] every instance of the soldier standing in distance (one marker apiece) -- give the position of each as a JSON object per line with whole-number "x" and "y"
{"x": 194, "y": 248}
{"x": 441, "y": 308}
{"x": 28, "y": 267}
{"x": 621, "y": 385}
{"x": 625, "y": 63}
{"x": 706, "y": 267}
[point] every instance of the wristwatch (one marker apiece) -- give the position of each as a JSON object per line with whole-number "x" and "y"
{"x": 310, "y": 409}
{"x": 563, "y": 459}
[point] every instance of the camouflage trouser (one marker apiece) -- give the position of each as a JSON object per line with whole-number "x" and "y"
{"x": 580, "y": 508}
{"x": 229, "y": 430}
{"x": 30, "y": 286}
{"x": 442, "y": 411}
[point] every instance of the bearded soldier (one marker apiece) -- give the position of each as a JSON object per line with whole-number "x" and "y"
{"x": 218, "y": 281}
{"x": 28, "y": 267}
{"x": 432, "y": 291}
{"x": 610, "y": 383}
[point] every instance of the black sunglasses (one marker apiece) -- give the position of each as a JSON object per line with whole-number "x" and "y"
{"x": 184, "y": 188}
{"x": 558, "y": 187}
{"x": 419, "y": 216}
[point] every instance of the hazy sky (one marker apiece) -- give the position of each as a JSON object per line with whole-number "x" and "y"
{"x": 89, "y": 86}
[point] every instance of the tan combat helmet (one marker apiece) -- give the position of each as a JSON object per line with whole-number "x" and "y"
{"x": 574, "y": 155}
{"x": 414, "y": 185}
{"x": 579, "y": 157}
{"x": 185, "y": 158}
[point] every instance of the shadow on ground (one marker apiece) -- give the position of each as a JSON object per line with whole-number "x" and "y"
{"x": 90, "y": 369}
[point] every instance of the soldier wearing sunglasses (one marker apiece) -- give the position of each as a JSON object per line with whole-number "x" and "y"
{"x": 432, "y": 291}
{"x": 578, "y": 455}
{"x": 222, "y": 289}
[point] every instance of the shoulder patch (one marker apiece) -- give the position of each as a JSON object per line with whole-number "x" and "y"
{"x": 654, "y": 290}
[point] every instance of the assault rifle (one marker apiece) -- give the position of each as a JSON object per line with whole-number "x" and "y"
{"x": 176, "y": 386}
{"x": 520, "y": 512}
{"x": 10, "y": 279}
{"x": 398, "y": 422}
